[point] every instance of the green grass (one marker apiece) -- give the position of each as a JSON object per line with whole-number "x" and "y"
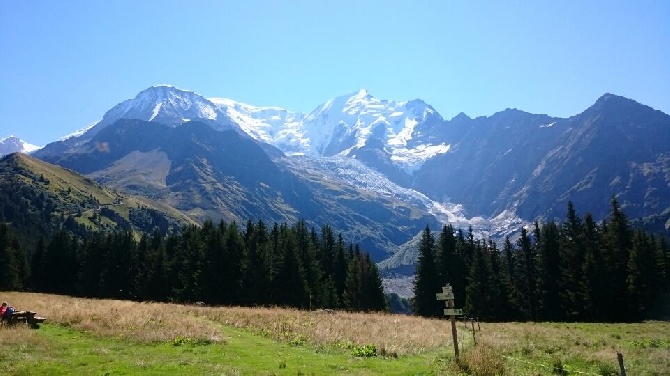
{"x": 591, "y": 348}
{"x": 116, "y": 337}
{"x": 57, "y": 350}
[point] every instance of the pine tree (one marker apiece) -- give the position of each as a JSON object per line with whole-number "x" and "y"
{"x": 446, "y": 255}
{"x": 274, "y": 261}
{"x": 375, "y": 300}
{"x": 662, "y": 284}
{"x": 256, "y": 279}
{"x": 140, "y": 268}
{"x": 617, "y": 244}
{"x": 213, "y": 280}
{"x": 549, "y": 274}
{"x": 9, "y": 268}
{"x": 594, "y": 272}
{"x": 306, "y": 242}
{"x": 572, "y": 261}
{"x": 234, "y": 265}
{"x": 327, "y": 249}
{"x": 37, "y": 280}
{"x": 328, "y": 261}
{"x": 127, "y": 249}
{"x": 426, "y": 280}
{"x": 290, "y": 284}
{"x": 663, "y": 262}
{"x": 501, "y": 288}
{"x": 528, "y": 276}
{"x": 641, "y": 273}
{"x": 158, "y": 282}
{"x": 479, "y": 301}
{"x": 512, "y": 278}
{"x": 353, "y": 286}
{"x": 340, "y": 266}
{"x": 187, "y": 255}
{"x": 59, "y": 268}
{"x": 91, "y": 264}
{"x": 459, "y": 281}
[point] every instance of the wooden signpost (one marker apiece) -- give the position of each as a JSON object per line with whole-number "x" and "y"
{"x": 447, "y": 294}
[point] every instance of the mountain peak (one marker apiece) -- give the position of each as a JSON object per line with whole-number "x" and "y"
{"x": 616, "y": 102}
{"x": 164, "y": 86}
{"x": 612, "y": 97}
{"x": 360, "y": 97}
{"x": 461, "y": 116}
{"x": 13, "y": 144}
{"x": 362, "y": 93}
{"x": 165, "y": 103}
{"x": 164, "y": 92}
{"x": 161, "y": 103}
{"x": 10, "y": 138}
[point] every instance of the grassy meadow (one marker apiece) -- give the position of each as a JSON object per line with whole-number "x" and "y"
{"x": 112, "y": 337}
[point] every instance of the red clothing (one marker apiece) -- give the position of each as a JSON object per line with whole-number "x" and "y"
{"x": 3, "y": 310}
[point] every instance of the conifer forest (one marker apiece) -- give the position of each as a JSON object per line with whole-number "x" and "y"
{"x": 577, "y": 270}
{"x": 574, "y": 270}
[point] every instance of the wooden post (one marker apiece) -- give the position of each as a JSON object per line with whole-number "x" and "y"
{"x": 454, "y": 333}
{"x": 448, "y": 295}
{"x": 473, "y": 332}
{"x": 619, "y": 357}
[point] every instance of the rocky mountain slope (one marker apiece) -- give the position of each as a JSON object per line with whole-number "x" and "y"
{"x": 512, "y": 161}
{"x": 378, "y": 168}
{"x": 210, "y": 174}
{"x": 533, "y": 164}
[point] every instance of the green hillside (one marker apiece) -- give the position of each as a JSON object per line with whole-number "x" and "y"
{"x": 37, "y": 198}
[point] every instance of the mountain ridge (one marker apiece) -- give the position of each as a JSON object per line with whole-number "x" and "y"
{"x": 210, "y": 174}
{"x": 490, "y": 172}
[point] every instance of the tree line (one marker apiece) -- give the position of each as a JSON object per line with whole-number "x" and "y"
{"x": 576, "y": 270}
{"x": 293, "y": 266}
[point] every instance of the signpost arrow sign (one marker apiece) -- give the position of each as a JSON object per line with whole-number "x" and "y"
{"x": 444, "y": 295}
{"x": 453, "y": 312}
{"x": 447, "y": 294}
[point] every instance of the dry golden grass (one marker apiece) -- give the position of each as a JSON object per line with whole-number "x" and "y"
{"x": 141, "y": 322}
{"x": 577, "y": 346}
{"x": 146, "y": 322}
{"x": 393, "y": 334}
{"x": 481, "y": 361}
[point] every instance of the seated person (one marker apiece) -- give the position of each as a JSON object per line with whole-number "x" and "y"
{"x": 6, "y": 312}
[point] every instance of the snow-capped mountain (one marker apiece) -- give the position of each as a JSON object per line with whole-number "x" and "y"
{"x": 273, "y": 125}
{"x": 492, "y": 173}
{"x": 12, "y": 144}
{"x": 164, "y": 104}
{"x": 347, "y": 123}
{"x": 398, "y": 133}
{"x": 344, "y": 125}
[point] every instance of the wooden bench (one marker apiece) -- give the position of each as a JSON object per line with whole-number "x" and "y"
{"x": 26, "y": 317}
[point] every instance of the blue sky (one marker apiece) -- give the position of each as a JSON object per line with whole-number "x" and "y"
{"x": 64, "y": 63}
